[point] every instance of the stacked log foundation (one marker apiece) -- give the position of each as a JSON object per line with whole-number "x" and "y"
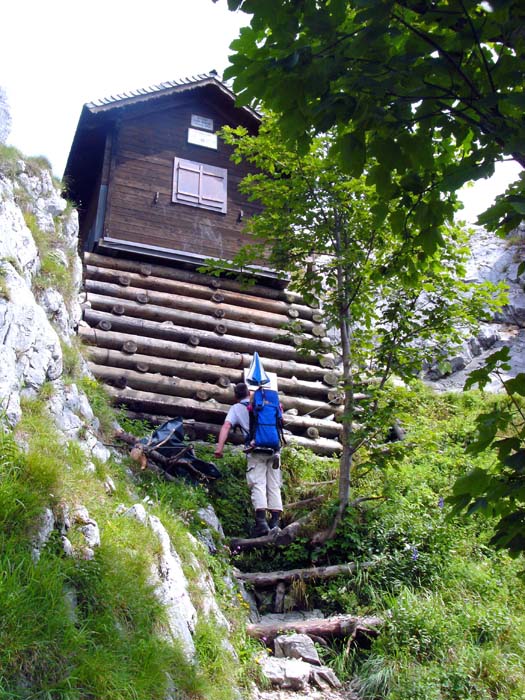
{"x": 170, "y": 341}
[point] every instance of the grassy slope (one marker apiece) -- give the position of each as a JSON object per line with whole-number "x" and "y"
{"x": 454, "y": 608}
{"x": 109, "y": 643}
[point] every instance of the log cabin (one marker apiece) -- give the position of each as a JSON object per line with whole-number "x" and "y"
{"x": 158, "y": 196}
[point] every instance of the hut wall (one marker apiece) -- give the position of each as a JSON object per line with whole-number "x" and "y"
{"x": 140, "y": 207}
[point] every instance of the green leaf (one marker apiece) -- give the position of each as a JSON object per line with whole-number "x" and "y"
{"x": 516, "y": 385}
{"x": 506, "y": 445}
{"x": 518, "y": 204}
{"x": 352, "y": 149}
{"x": 473, "y": 483}
{"x": 516, "y": 461}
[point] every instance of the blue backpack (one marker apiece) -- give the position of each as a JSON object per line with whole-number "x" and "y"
{"x": 266, "y": 420}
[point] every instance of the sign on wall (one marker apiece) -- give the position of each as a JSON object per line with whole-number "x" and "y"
{"x": 201, "y": 122}
{"x": 202, "y": 138}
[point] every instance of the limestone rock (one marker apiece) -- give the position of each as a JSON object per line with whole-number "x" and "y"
{"x": 297, "y": 646}
{"x": 109, "y": 486}
{"x": 71, "y": 410}
{"x": 91, "y": 534}
{"x": 286, "y": 673}
{"x": 16, "y": 242}
{"x": 324, "y": 678}
{"x": 170, "y": 583}
{"x": 5, "y": 116}
{"x": 209, "y": 516}
{"x": 206, "y": 536}
{"x": 30, "y": 351}
{"x": 45, "y": 201}
{"x": 45, "y": 526}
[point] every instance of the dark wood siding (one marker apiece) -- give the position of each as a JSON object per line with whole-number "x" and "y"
{"x": 144, "y": 154}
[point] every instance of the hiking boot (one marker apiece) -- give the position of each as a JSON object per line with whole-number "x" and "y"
{"x": 274, "y": 519}
{"x": 261, "y": 526}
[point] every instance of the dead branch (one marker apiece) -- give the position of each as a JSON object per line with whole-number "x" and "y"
{"x": 305, "y": 502}
{"x": 268, "y": 579}
{"x": 339, "y": 626}
{"x": 280, "y": 538}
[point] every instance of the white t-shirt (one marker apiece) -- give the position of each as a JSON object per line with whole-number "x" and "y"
{"x": 238, "y": 416}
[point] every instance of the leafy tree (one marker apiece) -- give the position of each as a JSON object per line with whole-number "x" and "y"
{"x": 383, "y": 293}
{"x": 499, "y": 491}
{"x": 424, "y": 95}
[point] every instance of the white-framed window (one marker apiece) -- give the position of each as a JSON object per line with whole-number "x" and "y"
{"x": 200, "y": 185}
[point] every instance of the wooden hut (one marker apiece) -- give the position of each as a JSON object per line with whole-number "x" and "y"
{"x": 158, "y": 196}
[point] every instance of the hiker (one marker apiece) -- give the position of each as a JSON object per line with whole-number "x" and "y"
{"x": 263, "y": 472}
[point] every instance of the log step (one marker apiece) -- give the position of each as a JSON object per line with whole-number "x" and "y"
{"x": 268, "y": 579}
{"x": 340, "y": 626}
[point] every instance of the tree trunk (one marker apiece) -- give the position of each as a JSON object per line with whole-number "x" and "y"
{"x": 345, "y": 463}
{"x": 271, "y": 578}
{"x": 330, "y": 627}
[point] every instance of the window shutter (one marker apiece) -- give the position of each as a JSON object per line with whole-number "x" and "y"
{"x": 200, "y": 185}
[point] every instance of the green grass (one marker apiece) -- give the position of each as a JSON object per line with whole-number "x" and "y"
{"x": 112, "y": 642}
{"x": 53, "y": 272}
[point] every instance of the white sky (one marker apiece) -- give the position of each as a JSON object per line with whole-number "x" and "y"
{"x": 55, "y": 55}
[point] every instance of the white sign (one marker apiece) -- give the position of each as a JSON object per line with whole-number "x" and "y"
{"x": 202, "y": 138}
{"x": 202, "y": 122}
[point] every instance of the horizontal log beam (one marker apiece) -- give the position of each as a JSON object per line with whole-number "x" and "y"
{"x": 340, "y": 626}
{"x": 176, "y": 386}
{"x": 182, "y": 334}
{"x": 201, "y": 430}
{"x": 269, "y": 579}
{"x": 258, "y": 291}
{"x": 180, "y": 295}
{"x": 208, "y": 411}
{"x": 198, "y": 371}
{"x": 163, "y": 314}
{"x": 160, "y": 348}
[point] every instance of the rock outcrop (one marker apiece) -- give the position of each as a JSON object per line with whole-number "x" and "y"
{"x": 494, "y": 260}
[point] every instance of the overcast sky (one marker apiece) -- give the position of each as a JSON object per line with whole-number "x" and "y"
{"x": 55, "y": 55}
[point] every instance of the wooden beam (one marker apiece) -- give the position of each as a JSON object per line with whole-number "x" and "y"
{"x": 201, "y": 430}
{"x": 258, "y": 291}
{"x": 160, "y": 348}
{"x": 198, "y": 371}
{"x": 210, "y": 410}
{"x": 181, "y": 295}
{"x": 268, "y": 579}
{"x": 178, "y": 317}
{"x": 167, "y": 331}
{"x": 177, "y": 386}
{"x": 339, "y": 627}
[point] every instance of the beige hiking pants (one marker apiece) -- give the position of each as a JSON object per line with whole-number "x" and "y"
{"x": 264, "y": 481}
